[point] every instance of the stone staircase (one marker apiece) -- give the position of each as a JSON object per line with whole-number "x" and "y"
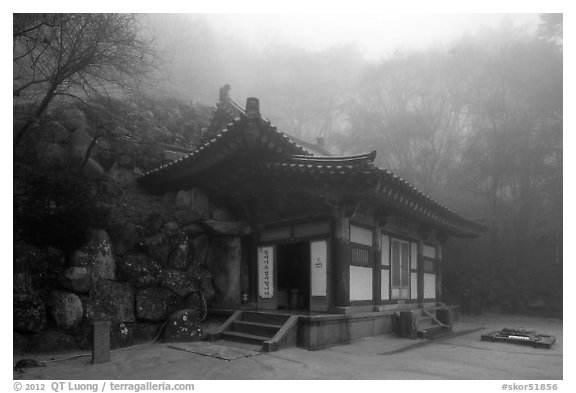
{"x": 270, "y": 330}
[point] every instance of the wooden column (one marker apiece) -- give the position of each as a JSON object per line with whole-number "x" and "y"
{"x": 340, "y": 291}
{"x": 438, "y": 271}
{"x": 420, "y": 271}
{"x": 376, "y": 268}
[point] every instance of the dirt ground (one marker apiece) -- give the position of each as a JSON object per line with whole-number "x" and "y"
{"x": 459, "y": 357}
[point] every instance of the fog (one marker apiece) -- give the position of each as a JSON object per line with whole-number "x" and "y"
{"x": 467, "y": 107}
{"x": 376, "y": 35}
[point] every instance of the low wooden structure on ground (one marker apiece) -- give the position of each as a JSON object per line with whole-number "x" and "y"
{"x": 334, "y": 236}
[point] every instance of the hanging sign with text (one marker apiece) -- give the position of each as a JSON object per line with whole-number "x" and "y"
{"x": 266, "y": 272}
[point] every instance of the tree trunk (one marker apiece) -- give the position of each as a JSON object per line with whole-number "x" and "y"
{"x": 41, "y": 109}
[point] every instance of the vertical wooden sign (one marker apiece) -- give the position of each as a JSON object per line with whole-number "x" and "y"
{"x": 266, "y": 272}
{"x": 318, "y": 260}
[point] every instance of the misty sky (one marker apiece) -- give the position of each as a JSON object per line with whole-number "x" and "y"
{"x": 375, "y": 34}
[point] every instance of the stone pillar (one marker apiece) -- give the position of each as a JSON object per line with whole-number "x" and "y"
{"x": 340, "y": 291}
{"x": 225, "y": 262}
{"x": 420, "y": 271}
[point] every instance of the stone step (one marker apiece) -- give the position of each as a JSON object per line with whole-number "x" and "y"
{"x": 433, "y": 331}
{"x": 423, "y": 321}
{"x": 265, "y": 318}
{"x": 255, "y": 328}
{"x": 244, "y": 337}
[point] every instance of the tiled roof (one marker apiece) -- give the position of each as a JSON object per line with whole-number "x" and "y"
{"x": 274, "y": 155}
{"x": 378, "y": 185}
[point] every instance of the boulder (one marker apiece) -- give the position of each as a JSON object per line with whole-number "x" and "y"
{"x": 124, "y": 237}
{"x": 171, "y": 227}
{"x": 157, "y": 247}
{"x": 168, "y": 200}
{"x": 52, "y": 341}
{"x": 183, "y": 325}
{"x": 111, "y": 300}
{"x": 126, "y": 161}
{"x": 104, "y": 154}
{"x": 122, "y": 177}
{"x": 183, "y": 200}
{"x": 53, "y": 132}
{"x": 193, "y": 230}
{"x": 199, "y": 202}
{"x": 224, "y": 262}
{"x": 73, "y": 118}
{"x": 120, "y": 131}
{"x": 93, "y": 170}
{"x": 172, "y": 155}
{"x": 181, "y": 283}
{"x": 121, "y": 336}
{"x": 195, "y": 301}
{"x": 186, "y": 217}
{"x": 145, "y": 332}
{"x": 221, "y": 214}
{"x": 19, "y": 343}
{"x": 29, "y": 313}
{"x": 201, "y": 246}
{"x": 22, "y": 282}
{"x": 65, "y": 309}
{"x": 235, "y": 228}
{"x": 51, "y": 153}
{"x": 36, "y": 268}
{"x": 155, "y": 304}
{"x": 80, "y": 141}
{"x": 204, "y": 278}
{"x": 180, "y": 254}
{"x": 139, "y": 270}
{"x": 193, "y": 200}
{"x": 153, "y": 224}
{"x": 96, "y": 255}
{"x": 77, "y": 279}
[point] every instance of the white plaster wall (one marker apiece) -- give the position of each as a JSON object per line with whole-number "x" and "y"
{"x": 413, "y": 255}
{"x": 429, "y": 286}
{"x": 385, "y": 255}
{"x": 429, "y": 251}
{"x": 413, "y": 286}
{"x": 360, "y": 235}
{"x": 385, "y": 287}
{"x": 360, "y": 283}
{"x": 319, "y": 256}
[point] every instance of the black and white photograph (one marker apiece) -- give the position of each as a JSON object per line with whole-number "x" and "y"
{"x": 318, "y": 193}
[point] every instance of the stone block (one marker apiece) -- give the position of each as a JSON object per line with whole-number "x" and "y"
{"x": 66, "y": 309}
{"x": 29, "y": 313}
{"x": 139, "y": 270}
{"x": 155, "y": 304}
{"x": 77, "y": 279}
{"x": 186, "y": 217}
{"x": 111, "y": 300}
{"x": 157, "y": 247}
{"x": 224, "y": 262}
{"x": 181, "y": 283}
{"x": 235, "y": 228}
{"x": 193, "y": 230}
{"x": 101, "y": 342}
{"x": 96, "y": 255}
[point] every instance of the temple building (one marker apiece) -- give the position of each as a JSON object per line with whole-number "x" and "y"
{"x": 329, "y": 235}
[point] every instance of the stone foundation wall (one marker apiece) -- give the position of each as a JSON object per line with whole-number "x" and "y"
{"x": 155, "y": 263}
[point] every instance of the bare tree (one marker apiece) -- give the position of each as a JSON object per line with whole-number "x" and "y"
{"x": 75, "y": 54}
